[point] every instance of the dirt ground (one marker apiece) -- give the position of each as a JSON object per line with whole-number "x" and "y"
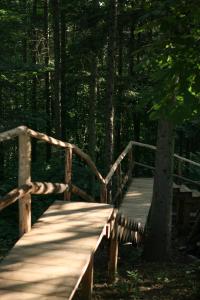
{"x": 177, "y": 280}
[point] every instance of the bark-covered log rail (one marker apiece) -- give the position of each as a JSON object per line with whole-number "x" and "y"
{"x": 26, "y": 187}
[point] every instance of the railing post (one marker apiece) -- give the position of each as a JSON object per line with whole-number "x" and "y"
{"x": 130, "y": 163}
{"x": 113, "y": 254}
{"x": 103, "y": 193}
{"x": 119, "y": 183}
{"x": 68, "y": 172}
{"x": 24, "y": 177}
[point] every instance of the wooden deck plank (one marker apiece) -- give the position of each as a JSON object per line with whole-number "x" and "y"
{"x": 137, "y": 200}
{"x": 55, "y": 254}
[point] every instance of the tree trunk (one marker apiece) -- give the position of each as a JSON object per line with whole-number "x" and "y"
{"x": 158, "y": 234}
{"x": 57, "y": 82}
{"x": 2, "y": 153}
{"x": 34, "y": 80}
{"x": 92, "y": 116}
{"x": 63, "y": 73}
{"x": 47, "y": 75}
{"x": 109, "y": 135}
{"x": 119, "y": 100}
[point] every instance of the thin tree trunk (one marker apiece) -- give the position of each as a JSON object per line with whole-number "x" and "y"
{"x": 2, "y": 153}
{"x": 34, "y": 80}
{"x": 109, "y": 135}
{"x": 92, "y": 116}
{"x": 57, "y": 82}
{"x": 47, "y": 79}
{"x": 119, "y": 100}
{"x": 63, "y": 73}
{"x": 158, "y": 234}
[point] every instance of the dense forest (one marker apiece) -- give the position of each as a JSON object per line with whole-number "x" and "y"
{"x": 99, "y": 74}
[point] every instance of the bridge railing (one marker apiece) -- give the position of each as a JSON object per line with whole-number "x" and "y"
{"x": 180, "y": 161}
{"x": 122, "y": 179}
{"x": 26, "y": 187}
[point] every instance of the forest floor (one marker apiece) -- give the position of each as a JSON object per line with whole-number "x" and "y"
{"x": 138, "y": 280}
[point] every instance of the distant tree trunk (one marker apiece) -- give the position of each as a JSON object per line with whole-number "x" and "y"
{"x": 34, "y": 80}
{"x": 2, "y": 154}
{"x": 47, "y": 75}
{"x": 109, "y": 120}
{"x": 63, "y": 74}
{"x": 119, "y": 100}
{"x": 57, "y": 82}
{"x": 25, "y": 57}
{"x": 158, "y": 234}
{"x": 92, "y": 114}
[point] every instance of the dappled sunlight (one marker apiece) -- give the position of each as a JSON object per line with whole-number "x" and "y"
{"x": 51, "y": 259}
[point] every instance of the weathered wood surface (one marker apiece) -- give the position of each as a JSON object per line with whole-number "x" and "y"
{"x": 135, "y": 207}
{"x": 24, "y": 177}
{"x": 36, "y": 188}
{"x": 50, "y": 261}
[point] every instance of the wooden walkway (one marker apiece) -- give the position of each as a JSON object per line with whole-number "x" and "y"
{"x": 50, "y": 261}
{"x": 134, "y": 209}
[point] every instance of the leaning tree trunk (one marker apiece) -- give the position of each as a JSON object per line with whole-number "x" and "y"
{"x": 158, "y": 232}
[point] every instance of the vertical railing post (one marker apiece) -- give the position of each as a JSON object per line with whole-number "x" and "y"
{"x": 119, "y": 183}
{"x": 113, "y": 253}
{"x": 87, "y": 281}
{"x": 130, "y": 163}
{"x": 103, "y": 193}
{"x": 24, "y": 177}
{"x": 68, "y": 172}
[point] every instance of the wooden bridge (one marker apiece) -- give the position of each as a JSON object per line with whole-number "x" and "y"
{"x": 53, "y": 257}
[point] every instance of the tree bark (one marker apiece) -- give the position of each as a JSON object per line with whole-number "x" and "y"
{"x": 47, "y": 77}
{"x": 111, "y": 55}
{"x": 119, "y": 99}
{"x": 34, "y": 80}
{"x": 57, "y": 82}
{"x": 63, "y": 73}
{"x": 158, "y": 233}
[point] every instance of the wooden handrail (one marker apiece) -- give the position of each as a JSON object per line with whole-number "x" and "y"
{"x": 36, "y": 188}
{"x": 48, "y": 139}
{"x": 7, "y": 135}
{"x": 175, "y": 155}
{"x": 174, "y": 175}
{"x": 90, "y": 163}
{"x": 10, "y": 134}
{"x": 117, "y": 162}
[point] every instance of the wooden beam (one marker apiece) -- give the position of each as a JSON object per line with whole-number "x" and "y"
{"x": 117, "y": 162}
{"x": 48, "y": 139}
{"x": 37, "y": 188}
{"x": 89, "y": 162}
{"x": 76, "y": 190}
{"x": 87, "y": 281}
{"x": 9, "y": 134}
{"x": 24, "y": 177}
{"x": 68, "y": 172}
{"x": 113, "y": 255}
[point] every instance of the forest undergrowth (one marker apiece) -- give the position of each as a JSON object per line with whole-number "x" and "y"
{"x": 138, "y": 280}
